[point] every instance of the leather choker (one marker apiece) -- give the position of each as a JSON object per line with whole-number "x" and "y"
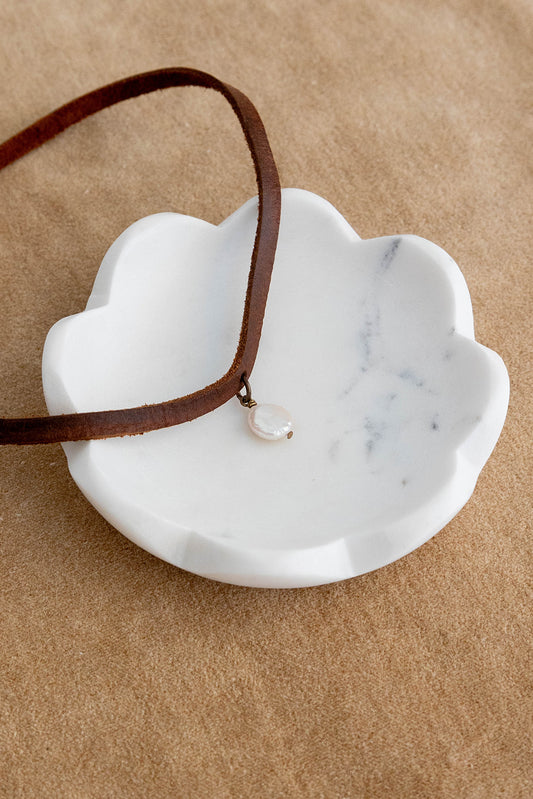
{"x": 131, "y": 421}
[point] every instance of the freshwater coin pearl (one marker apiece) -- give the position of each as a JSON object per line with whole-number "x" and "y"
{"x": 271, "y": 422}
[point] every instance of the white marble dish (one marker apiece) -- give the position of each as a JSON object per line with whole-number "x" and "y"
{"x": 368, "y": 344}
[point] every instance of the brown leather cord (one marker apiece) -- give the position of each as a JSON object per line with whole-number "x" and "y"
{"x": 131, "y": 421}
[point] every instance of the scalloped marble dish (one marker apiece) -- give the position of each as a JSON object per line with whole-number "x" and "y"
{"x": 370, "y": 346}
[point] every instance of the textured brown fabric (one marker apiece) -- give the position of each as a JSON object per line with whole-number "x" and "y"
{"x": 124, "y": 677}
{"x": 130, "y": 421}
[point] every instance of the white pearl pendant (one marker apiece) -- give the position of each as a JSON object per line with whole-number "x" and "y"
{"x": 270, "y": 422}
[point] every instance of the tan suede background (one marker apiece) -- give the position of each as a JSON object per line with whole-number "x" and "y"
{"x": 122, "y": 676}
